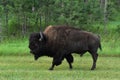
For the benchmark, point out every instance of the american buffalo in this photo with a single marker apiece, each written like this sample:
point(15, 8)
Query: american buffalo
point(60, 42)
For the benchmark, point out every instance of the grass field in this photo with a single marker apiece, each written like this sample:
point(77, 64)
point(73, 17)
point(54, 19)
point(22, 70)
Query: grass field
point(25, 68)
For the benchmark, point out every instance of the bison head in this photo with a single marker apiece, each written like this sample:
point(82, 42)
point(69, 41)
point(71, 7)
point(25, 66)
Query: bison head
point(37, 44)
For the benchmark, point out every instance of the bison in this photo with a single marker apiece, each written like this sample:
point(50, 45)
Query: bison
point(60, 42)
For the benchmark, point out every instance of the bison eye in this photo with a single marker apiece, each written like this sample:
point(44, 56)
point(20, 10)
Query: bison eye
point(33, 45)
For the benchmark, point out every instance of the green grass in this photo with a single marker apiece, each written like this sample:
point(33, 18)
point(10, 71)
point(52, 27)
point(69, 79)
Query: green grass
point(111, 45)
point(14, 47)
point(25, 68)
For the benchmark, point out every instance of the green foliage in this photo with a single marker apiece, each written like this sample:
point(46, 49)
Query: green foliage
point(113, 12)
point(37, 14)
point(118, 28)
point(1, 9)
point(13, 26)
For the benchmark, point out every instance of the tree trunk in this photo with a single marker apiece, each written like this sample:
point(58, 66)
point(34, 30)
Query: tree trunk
point(85, 1)
point(46, 14)
point(103, 7)
point(105, 15)
point(40, 22)
point(0, 28)
point(102, 4)
point(24, 25)
point(6, 18)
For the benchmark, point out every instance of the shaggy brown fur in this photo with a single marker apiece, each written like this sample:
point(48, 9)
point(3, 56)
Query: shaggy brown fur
point(60, 42)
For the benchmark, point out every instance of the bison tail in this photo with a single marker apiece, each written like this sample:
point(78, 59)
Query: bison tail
point(100, 47)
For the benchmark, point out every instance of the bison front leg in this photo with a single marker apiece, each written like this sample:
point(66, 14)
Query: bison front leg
point(69, 59)
point(52, 67)
point(57, 60)
point(53, 63)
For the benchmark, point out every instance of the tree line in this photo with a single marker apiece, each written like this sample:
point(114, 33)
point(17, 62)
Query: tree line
point(19, 17)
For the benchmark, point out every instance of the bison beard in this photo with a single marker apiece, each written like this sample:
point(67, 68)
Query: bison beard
point(60, 42)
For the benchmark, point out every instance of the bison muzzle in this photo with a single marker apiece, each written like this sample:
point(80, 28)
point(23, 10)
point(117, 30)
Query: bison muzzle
point(60, 42)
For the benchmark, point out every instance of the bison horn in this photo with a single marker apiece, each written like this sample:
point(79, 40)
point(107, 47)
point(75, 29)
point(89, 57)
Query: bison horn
point(41, 36)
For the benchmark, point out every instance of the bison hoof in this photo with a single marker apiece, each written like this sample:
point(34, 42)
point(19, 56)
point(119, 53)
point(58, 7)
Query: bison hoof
point(50, 68)
point(92, 68)
point(70, 68)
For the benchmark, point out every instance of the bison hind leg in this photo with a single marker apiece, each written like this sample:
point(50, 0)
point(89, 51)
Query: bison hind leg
point(94, 56)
